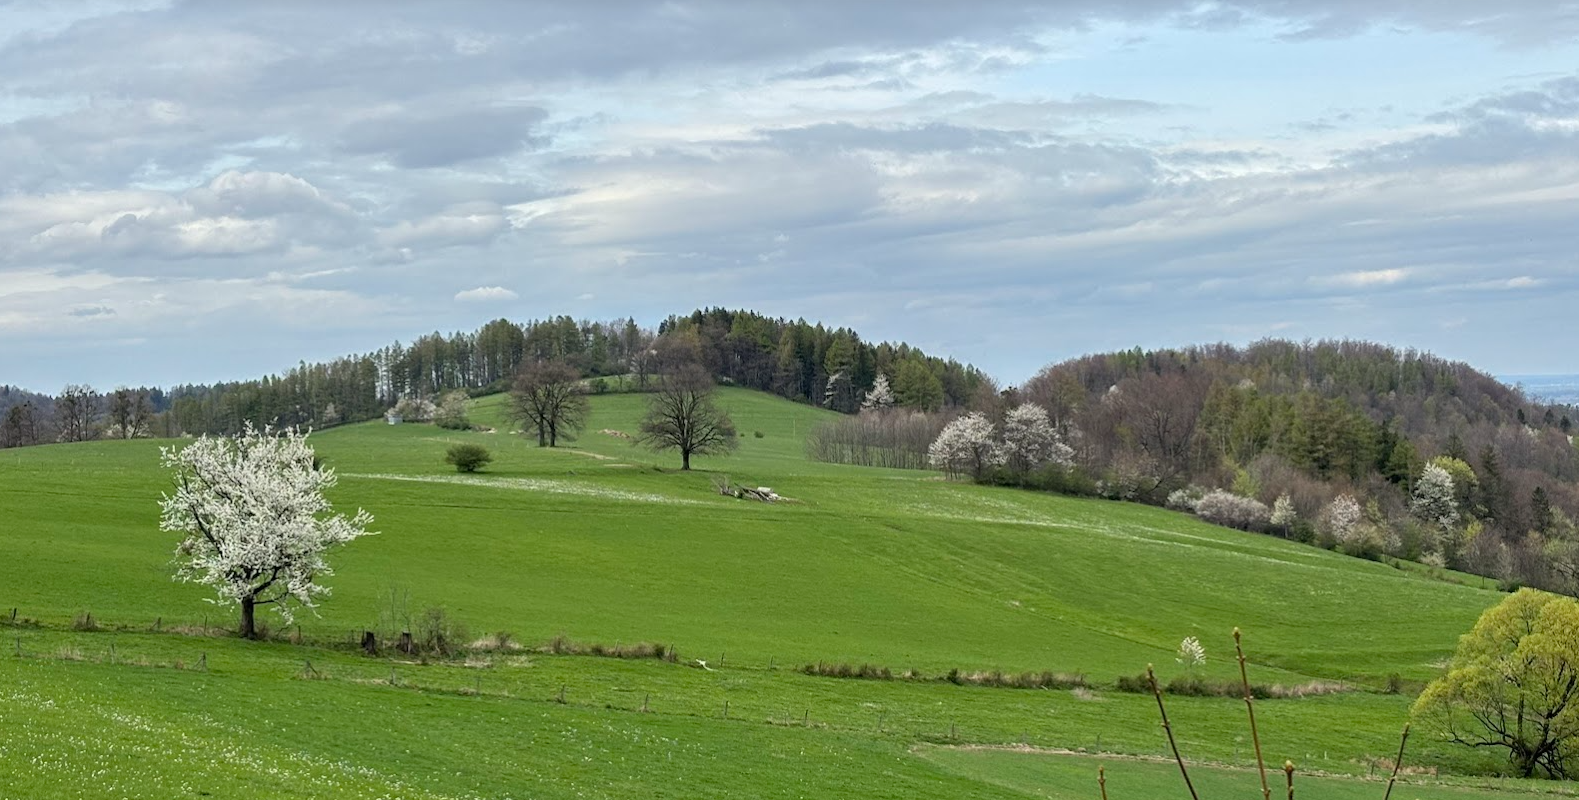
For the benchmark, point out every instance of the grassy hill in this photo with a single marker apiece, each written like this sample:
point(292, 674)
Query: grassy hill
point(603, 542)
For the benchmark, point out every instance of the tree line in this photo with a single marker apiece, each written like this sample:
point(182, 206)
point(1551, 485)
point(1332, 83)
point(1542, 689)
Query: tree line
point(831, 367)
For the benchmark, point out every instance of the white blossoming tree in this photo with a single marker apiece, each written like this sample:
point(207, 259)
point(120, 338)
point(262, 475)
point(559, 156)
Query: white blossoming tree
point(1031, 442)
point(1284, 514)
point(1343, 517)
point(880, 397)
point(1192, 654)
point(255, 520)
point(1435, 497)
point(968, 445)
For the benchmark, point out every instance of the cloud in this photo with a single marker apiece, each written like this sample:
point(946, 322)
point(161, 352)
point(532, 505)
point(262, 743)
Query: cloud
point(485, 294)
point(1366, 278)
point(1047, 167)
point(419, 141)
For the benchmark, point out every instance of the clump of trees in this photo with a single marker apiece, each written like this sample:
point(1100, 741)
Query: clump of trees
point(1513, 685)
point(1442, 463)
point(972, 445)
point(256, 526)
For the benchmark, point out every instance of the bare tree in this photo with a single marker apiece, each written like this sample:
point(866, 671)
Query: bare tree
point(77, 411)
point(548, 399)
point(130, 412)
point(682, 416)
point(20, 428)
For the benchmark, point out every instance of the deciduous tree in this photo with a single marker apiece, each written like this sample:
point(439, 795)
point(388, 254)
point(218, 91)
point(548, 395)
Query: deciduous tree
point(255, 521)
point(682, 416)
point(549, 400)
point(1030, 442)
point(968, 445)
point(1513, 685)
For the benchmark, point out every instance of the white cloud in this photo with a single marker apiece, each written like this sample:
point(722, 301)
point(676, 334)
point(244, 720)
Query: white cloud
point(485, 294)
point(1365, 279)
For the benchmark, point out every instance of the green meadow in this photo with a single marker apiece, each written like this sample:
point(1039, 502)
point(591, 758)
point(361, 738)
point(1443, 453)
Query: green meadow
point(602, 542)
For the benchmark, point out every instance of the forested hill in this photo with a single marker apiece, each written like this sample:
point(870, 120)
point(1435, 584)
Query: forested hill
point(833, 367)
point(1315, 420)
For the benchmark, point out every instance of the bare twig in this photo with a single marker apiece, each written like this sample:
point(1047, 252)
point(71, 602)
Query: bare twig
point(1255, 736)
point(1397, 762)
point(1156, 690)
point(1102, 781)
point(1288, 769)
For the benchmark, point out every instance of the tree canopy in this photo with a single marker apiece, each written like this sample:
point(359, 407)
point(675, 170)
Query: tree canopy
point(255, 520)
point(1513, 685)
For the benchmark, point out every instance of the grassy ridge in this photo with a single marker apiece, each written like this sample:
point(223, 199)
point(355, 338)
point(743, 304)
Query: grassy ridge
point(607, 542)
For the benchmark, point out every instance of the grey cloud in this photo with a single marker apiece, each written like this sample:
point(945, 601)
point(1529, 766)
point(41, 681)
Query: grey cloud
point(447, 139)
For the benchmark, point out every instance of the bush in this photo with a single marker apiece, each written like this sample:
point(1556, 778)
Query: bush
point(440, 634)
point(757, 434)
point(1231, 510)
point(468, 457)
point(1185, 499)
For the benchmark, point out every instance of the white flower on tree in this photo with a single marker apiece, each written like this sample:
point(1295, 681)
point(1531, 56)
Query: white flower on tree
point(1191, 653)
point(256, 522)
point(1031, 442)
point(1435, 498)
point(967, 445)
point(880, 397)
point(1343, 517)
point(1283, 513)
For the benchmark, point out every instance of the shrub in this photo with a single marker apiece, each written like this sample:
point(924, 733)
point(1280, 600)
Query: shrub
point(438, 633)
point(758, 434)
point(1185, 499)
point(1231, 510)
point(468, 457)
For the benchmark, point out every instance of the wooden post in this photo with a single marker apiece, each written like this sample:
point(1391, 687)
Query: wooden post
point(806, 719)
point(644, 699)
point(951, 732)
point(13, 615)
point(18, 647)
point(112, 652)
point(726, 709)
point(369, 643)
point(477, 686)
point(407, 646)
point(158, 623)
point(394, 680)
point(202, 661)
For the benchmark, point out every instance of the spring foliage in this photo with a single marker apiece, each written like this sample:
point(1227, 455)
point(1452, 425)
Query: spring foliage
point(1513, 684)
point(255, 520)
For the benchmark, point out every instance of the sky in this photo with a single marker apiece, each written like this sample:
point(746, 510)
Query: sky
point(200, 192)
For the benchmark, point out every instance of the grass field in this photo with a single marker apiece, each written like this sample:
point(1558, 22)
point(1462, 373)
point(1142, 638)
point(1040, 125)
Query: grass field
point(603, 542)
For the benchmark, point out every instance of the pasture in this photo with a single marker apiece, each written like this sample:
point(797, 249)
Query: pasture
point(602, 542)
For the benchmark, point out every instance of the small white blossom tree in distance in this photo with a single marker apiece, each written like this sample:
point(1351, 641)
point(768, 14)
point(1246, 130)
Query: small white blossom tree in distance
point(881, 396)
point(255, 520)
point(966, 445)
point(1030, 441)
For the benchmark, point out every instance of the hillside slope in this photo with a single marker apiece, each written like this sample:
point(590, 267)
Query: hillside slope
point(604, 542)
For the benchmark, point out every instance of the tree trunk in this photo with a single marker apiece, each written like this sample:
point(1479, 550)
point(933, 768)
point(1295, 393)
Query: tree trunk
point(249, 628)
point(685, 459)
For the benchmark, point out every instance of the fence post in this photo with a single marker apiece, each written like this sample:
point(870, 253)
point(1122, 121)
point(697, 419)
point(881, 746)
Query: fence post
point(202, 661)
point(726, 709)
point(644, 699)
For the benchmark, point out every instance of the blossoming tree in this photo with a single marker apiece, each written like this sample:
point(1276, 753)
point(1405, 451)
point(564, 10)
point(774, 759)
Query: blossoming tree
point(255, 519)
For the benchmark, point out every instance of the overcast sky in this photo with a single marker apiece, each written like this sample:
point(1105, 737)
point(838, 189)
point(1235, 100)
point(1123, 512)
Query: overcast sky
point(192, 193)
